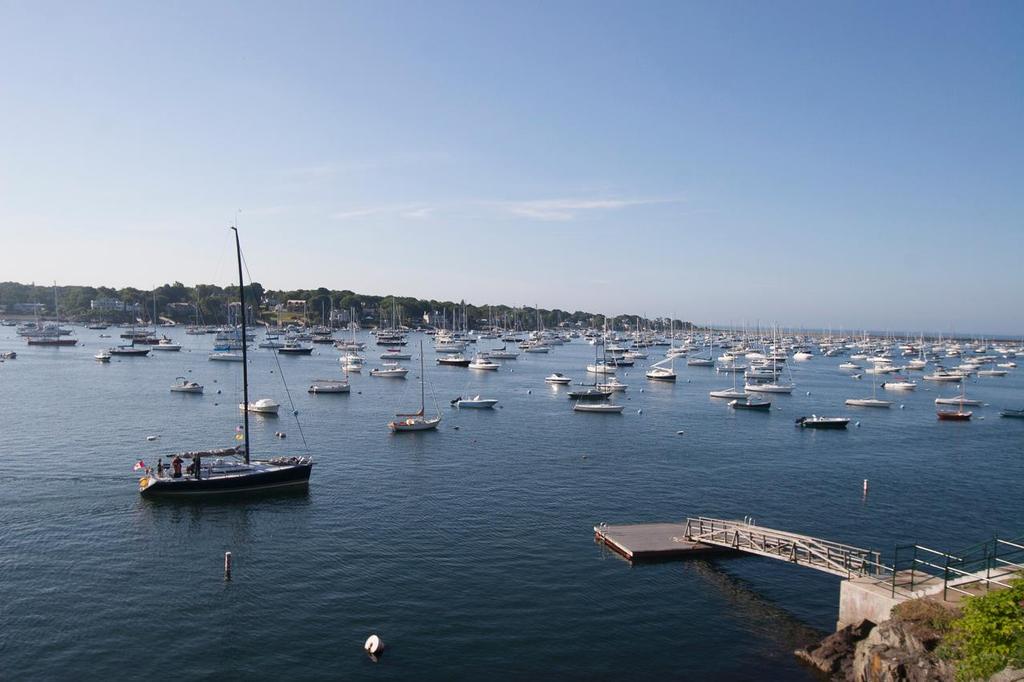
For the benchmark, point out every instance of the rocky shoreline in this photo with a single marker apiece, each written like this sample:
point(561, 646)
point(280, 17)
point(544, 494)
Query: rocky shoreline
point(902, 649)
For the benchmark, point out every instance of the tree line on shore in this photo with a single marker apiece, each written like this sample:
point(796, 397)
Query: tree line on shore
point(211, 304)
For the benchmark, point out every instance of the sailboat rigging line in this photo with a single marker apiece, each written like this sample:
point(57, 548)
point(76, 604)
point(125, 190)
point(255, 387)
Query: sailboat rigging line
point(287, 392)
point(280, 372)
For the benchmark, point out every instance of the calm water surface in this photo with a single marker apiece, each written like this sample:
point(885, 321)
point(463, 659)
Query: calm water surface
point(469, 550)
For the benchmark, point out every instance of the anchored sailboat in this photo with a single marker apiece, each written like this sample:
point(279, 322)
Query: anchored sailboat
point(219, 471)
point(418, 421)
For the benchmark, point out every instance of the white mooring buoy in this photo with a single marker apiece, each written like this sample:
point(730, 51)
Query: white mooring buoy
point(865, 486)
point(374, 645)
point(227, 565)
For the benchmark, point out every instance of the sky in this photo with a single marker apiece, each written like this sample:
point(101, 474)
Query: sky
point(818, 164)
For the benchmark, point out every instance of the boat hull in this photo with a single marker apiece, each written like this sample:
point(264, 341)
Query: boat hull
point(266, 479)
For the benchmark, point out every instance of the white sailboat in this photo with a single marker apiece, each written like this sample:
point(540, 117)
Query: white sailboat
point(417, 421)
point(663, 370)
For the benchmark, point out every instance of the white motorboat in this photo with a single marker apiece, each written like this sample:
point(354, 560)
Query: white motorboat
point(613, 385)
point(226, 357)
point(849, 365)
point(449, 346)
point(559, 379)
point(802, 355)
point(184, 385)
point(992, 372)
point(700, 362)
point(329, 386)
point(502, 354)
point(103, 356)
point(166, 345)
point(917, 363)
point(262, 406)
point(899, 385)
point(601, 368)
point(395, 354)
point(476, 402)
point(389, 372)
point(351, 362)
point(480, 362)
point(597, 407)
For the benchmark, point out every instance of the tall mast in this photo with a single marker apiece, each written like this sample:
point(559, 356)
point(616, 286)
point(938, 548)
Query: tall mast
point(423, 398)
point(245, 356)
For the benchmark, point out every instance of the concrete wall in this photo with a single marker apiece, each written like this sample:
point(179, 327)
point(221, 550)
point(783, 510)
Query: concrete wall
point(862, 598)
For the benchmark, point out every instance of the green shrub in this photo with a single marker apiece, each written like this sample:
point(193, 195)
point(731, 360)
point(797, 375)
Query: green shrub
point(989, 636)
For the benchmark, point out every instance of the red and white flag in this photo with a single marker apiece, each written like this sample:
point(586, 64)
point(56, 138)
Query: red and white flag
point(140, 465)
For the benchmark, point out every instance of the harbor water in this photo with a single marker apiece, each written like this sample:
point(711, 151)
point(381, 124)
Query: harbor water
point(469, 550)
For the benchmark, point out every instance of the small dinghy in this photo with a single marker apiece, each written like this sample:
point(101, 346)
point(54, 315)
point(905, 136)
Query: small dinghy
point(1015, 414)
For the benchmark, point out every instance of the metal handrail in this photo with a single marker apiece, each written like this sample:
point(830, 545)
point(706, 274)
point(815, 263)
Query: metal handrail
point(923, 565)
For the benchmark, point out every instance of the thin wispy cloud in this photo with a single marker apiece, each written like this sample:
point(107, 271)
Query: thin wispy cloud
point(562, 210)
point(413, 211)
point(546, 210)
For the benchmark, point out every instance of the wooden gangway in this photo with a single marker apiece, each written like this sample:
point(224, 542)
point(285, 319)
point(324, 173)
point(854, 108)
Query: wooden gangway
point(846, 561)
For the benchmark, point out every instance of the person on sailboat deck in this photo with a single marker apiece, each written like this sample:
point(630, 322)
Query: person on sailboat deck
point(176, 465)
point(160, 468)
point(196, 465)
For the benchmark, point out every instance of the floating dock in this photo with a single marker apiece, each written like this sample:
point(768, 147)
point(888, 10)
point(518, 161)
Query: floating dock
point(653, 541)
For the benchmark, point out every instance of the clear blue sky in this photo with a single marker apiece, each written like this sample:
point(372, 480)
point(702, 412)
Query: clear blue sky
point(856, 165)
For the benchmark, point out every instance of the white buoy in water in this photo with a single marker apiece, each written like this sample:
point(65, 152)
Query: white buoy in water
point(151, 437)
point(227, 565)
point(865, 486)
point(808, 392)
point(374, 645)
point(639, 411)
point(857, 424)
point(529, 392)
point(679, 433)
point(901, 407)
point(641, 390)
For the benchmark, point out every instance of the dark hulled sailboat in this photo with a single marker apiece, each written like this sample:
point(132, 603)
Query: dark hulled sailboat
point(229, 470)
